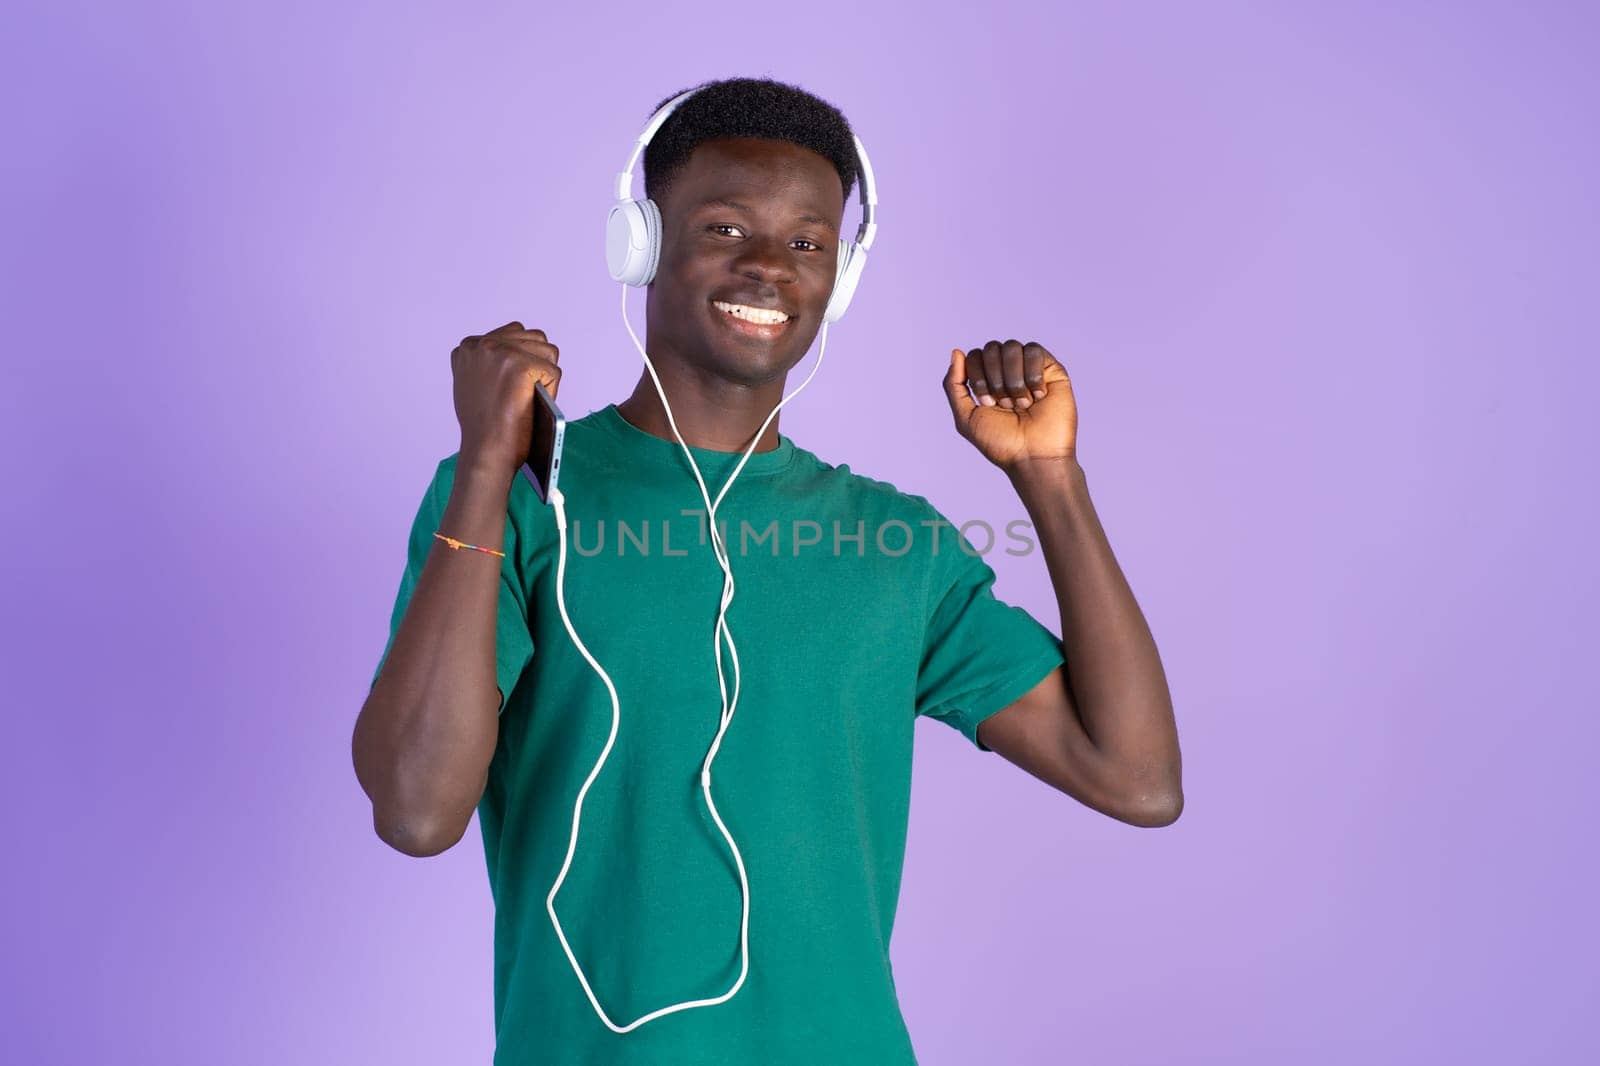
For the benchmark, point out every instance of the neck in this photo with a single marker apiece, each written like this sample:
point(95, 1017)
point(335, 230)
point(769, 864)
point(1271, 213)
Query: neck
point(711, 412)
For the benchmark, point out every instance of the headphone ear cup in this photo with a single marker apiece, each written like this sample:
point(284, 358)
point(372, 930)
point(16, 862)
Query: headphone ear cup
point(633, 241)
point(852, 261)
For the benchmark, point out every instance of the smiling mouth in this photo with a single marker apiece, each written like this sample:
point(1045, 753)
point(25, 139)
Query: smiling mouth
point(751, 321)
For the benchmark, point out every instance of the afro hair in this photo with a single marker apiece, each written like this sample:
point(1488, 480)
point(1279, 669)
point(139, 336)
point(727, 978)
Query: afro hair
point(747, 107)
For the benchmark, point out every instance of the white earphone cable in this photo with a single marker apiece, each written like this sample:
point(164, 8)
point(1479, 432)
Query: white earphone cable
point(722, 630)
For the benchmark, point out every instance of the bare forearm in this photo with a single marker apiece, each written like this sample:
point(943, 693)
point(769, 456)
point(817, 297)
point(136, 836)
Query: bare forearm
point(1117, 681)
point(427, 732)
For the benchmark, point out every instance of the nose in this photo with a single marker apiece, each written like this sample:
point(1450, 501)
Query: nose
point(766, 260)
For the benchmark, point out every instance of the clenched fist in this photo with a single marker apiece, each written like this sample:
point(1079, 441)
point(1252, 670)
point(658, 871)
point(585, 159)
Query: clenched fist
point(494, 379)
point(1024, 408)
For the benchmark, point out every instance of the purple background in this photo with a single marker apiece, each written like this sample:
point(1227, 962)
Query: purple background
point(1323, 275)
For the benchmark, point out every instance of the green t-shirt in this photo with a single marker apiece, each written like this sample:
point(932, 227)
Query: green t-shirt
point(857, 607)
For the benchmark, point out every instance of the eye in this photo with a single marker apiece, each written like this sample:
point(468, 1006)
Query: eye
point(717, 226)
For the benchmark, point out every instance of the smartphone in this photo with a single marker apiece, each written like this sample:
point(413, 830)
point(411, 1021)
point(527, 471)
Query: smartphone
point(544, 451)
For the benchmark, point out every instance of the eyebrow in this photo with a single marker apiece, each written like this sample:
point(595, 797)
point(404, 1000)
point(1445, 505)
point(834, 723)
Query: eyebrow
point(722, 201)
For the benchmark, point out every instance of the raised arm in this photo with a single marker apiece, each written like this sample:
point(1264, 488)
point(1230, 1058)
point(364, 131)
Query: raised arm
point(1109, 737)
point(428, 729)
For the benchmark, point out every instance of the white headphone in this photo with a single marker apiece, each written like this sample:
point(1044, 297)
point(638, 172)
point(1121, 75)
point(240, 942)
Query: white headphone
point(633, 227)
point(633, 248)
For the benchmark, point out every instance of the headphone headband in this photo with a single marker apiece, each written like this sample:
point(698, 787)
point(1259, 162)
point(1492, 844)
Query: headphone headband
point(866, 187)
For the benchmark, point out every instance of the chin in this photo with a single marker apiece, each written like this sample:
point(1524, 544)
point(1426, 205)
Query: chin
point(748, 372)
point(756, 364)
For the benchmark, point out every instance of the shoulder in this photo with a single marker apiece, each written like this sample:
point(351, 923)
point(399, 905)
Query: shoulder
point(861, 491)
point(906, 525)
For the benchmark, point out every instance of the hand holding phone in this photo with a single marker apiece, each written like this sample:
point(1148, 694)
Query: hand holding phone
point(497, 380)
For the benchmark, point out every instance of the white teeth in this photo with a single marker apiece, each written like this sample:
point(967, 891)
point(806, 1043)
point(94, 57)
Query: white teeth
point(751, 314)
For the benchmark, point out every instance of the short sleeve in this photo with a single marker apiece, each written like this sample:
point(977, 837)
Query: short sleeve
point(980, 654)
point(513, 643)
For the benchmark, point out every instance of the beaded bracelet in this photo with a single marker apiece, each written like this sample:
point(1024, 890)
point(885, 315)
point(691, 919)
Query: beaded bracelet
point(459, 544)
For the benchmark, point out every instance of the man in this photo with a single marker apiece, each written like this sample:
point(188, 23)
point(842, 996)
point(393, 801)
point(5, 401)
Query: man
point(858, 608)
